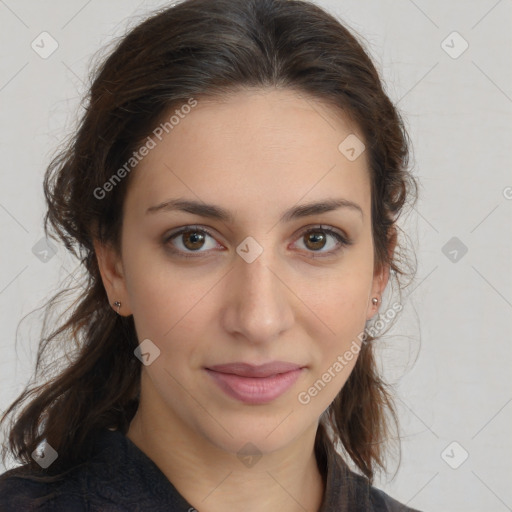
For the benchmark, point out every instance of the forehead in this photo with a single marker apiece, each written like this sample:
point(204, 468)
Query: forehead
point(253, 147)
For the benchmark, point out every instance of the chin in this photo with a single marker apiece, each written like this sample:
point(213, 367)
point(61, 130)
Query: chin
point(262, 436)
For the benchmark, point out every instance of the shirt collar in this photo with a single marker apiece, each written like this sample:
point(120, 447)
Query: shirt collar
point(133, 478)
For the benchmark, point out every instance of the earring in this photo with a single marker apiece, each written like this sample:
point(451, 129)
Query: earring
point(375, 301)
point(117, 304)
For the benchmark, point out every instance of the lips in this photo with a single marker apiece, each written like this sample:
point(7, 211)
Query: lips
point(248, 370)
point(255, 384)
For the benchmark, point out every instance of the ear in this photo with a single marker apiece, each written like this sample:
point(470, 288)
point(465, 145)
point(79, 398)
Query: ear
point(381, 278)
point(112, 275)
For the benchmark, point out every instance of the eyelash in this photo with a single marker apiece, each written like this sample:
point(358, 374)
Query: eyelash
point(342, 240)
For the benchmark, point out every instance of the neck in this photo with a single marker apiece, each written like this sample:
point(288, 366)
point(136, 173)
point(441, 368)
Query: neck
point(213, 480)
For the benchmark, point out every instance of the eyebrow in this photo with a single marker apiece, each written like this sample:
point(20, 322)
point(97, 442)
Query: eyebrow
point(218, 213)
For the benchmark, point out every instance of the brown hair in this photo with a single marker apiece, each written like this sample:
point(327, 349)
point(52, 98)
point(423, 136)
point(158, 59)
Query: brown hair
point(195, 49)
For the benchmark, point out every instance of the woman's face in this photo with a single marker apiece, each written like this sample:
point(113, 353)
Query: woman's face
point(260, 285)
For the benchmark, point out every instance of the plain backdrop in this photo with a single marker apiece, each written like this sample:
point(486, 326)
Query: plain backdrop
point(447, 66)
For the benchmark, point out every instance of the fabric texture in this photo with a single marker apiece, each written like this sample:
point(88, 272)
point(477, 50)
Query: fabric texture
point(119, 477)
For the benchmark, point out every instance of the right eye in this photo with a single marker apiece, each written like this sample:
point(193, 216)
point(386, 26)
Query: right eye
point(190, 238)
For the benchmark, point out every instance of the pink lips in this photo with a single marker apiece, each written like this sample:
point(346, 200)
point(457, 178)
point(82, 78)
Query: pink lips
point(255, 384)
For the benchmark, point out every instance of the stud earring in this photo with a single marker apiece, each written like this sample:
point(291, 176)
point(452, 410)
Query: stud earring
point(117, 304)
point(375, 301)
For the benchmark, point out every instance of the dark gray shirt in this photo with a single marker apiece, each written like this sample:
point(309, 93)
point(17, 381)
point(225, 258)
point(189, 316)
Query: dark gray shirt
point(119, 477)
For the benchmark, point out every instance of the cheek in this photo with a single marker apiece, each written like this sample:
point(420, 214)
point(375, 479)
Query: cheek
point(167, 302)
point(340, 305)
point(344, 314)
point(339, 300)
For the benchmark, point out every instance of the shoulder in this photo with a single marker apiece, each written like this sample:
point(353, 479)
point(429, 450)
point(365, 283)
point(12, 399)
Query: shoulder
point(382, 502)
point(22, 489)
point(376, 499)
point(349, 491)
point(60, 488)
point(115, 476)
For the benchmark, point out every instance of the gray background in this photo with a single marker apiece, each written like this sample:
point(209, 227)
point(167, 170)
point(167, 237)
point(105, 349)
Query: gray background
point(450, 354)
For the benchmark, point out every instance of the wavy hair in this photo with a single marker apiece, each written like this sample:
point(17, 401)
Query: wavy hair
point(195, 49)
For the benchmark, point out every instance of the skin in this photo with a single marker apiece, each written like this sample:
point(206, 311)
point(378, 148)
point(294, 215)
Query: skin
point(255, 153)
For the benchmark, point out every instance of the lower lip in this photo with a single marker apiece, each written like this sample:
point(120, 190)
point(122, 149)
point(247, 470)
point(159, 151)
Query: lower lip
point(255, 390)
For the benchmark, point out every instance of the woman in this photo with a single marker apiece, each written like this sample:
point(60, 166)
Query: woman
point(232, 192)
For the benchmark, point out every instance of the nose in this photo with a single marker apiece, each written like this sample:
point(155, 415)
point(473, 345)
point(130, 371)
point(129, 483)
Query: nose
point(259, 304)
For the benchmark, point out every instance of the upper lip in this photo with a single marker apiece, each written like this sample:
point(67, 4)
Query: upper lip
point(249, 370)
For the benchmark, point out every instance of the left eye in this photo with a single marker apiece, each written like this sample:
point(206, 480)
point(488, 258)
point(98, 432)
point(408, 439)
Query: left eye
point(192, 239)
point(317, 237)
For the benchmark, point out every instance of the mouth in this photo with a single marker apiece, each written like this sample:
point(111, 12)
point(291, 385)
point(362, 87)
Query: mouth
point(252, 384)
